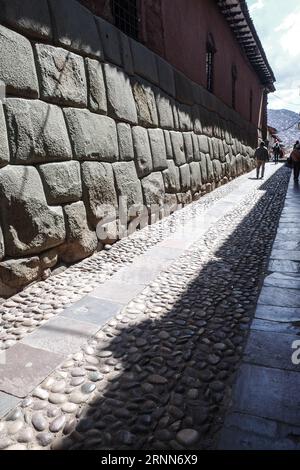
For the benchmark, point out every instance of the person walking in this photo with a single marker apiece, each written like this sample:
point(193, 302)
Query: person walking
point(262, 156)
point(276, 152)
point(295, 156)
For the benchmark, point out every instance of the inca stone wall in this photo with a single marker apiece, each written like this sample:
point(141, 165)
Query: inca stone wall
point(91, 115)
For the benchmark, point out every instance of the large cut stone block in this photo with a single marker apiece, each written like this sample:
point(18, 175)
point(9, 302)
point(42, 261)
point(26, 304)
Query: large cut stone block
point(62, 76)
point(144, 62)
point(210, 168)
point(145, 103)
point(125, 141)
point(127, 183)
point(81, 241)
point(62, 182)
point(203, 166)
point(110, 40)
point(195, 172)
point(166, 76)
point(217, 166)
point(4, 149)
point(17, 68)
point(188, 145)
point(184, 89)
point(153, 189)
point(197, 153)
point(75, 28)
point(165, 110)
point(121, 103)
point(185, 177)
point(96, 87)
point(158, 148)
point(16, 274)
point(142, 151)
point(37, 132)
point(30, 226)
point(172, 178)
point(203, 144)
point(93, 137)
point(30, 17)
point(98, 190)
point(178, 148)
point(168, 143)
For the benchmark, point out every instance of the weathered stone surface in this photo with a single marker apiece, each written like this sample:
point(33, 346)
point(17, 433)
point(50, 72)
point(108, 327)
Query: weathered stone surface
point(184, 89)
point(121, 103)
point(97, 93)
point(81, 240)
point(17, 68)
point(145, 103)
point(164, 110)
point(62, 76)
point(203, 166)
point(127, 183)
point(168, 143)
point(49, 258)
point(178, 148)
point(195, 172)
point(2, 248)
point(153, 189)
point(144, 62)
point(30, 17)
point(93, 137)
point(217, 169)
point(75, 28)
point(142, 151)
point(172, 178)
point(29, 224)
point(37, 132)
point(210, 169)
point(98, 190)
point(188, 145)
point(15, 274)
point(185, 177)
point(4, 149)
point(125, 141)
point(109, 35)
point(166, 76)
point(196, 149)
point(197, 119)
point(158, 149)
point(175, 115)
point(62, 182)
point(126, 53)
point(203, 144)
point(185, 118)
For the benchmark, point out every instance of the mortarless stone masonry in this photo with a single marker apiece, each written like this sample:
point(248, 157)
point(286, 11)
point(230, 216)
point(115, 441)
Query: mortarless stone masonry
point(93, 116)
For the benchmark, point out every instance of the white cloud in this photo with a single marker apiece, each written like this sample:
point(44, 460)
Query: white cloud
point(289, 34)
point(257, 6)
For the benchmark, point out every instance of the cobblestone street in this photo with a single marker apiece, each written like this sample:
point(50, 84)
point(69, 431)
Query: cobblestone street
point(138, 347)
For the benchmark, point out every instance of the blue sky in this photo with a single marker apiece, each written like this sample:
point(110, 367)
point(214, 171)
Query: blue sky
point(278, 25)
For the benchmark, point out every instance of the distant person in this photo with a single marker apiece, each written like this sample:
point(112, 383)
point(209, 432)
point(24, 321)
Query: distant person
point(276, 152)
point(262, 156)
point(295, 155)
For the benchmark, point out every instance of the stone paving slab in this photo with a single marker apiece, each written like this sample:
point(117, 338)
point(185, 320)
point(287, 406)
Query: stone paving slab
point(7, 403)
point(25, 367)
point(291, 255)
point(278, 314)
point(117, 291)
point(279, 297)
point(93, 310)
point(290, 281)
point(284, 266)
point(286, 245)
point(264, 348)
point(275, 327)
point(61, 336)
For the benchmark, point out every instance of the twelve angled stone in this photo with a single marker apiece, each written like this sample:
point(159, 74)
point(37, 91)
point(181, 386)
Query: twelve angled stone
point(37, 132)
point(121, 104)
point(62, 182)
point(17, 68)
point(29, 224)
point(93, 137)
point(62, 76)
point(75, 28)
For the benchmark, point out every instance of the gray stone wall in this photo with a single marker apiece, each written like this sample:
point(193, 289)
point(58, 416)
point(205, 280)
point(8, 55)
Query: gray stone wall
point(92, 116)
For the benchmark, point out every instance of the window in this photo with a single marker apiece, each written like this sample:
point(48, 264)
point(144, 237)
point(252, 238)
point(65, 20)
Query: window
point(251, 106)
point(233, 85)
point(126, 16)
point(210, 53)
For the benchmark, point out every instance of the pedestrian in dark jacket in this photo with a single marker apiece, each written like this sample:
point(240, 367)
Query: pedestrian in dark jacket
point(262, 156)
point(276, 152)
point(295, 155)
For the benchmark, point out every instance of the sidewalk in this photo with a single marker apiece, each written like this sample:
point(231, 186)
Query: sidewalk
point(265, 411)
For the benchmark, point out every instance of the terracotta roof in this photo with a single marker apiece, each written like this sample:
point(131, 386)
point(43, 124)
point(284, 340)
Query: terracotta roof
point(238, 17)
